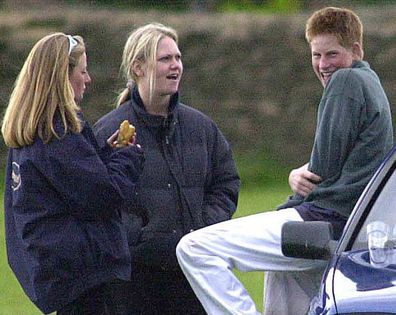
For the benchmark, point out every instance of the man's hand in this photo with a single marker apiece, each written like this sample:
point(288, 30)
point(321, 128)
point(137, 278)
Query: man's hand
point(302, 181)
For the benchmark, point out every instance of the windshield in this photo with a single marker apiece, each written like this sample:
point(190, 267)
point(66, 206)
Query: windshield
point(382, 216)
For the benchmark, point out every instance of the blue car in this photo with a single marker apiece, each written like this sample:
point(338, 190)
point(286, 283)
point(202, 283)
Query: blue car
point(360, 277)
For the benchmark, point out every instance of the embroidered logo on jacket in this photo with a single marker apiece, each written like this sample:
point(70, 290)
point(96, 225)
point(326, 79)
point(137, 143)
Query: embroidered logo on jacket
point(16, 176)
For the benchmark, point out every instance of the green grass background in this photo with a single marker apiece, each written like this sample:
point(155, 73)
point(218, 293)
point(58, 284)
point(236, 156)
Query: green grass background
point(252, 200)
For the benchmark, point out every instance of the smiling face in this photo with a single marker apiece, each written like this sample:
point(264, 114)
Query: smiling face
point(79, 78)
point(328, 56)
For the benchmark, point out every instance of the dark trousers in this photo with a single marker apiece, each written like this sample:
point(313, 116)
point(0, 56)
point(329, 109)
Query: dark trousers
point(92, 302)
point(152, 292)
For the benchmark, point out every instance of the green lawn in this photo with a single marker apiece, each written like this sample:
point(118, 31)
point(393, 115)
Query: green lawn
point(13, 300)
point(254, 201)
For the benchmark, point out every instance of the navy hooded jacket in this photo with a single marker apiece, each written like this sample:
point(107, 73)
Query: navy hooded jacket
point(62, 205)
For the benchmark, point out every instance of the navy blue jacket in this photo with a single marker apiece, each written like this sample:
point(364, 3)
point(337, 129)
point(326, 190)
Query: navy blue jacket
point(189, 178)
point(62, 216)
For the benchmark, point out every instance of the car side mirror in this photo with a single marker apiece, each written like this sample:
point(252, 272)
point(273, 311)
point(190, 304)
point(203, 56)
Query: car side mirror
point(308, 239)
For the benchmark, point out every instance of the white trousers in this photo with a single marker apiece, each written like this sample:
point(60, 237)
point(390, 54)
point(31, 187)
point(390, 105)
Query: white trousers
point(252, 243)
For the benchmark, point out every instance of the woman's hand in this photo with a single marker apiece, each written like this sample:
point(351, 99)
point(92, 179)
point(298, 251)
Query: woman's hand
point(302, 181)
point(112, 141)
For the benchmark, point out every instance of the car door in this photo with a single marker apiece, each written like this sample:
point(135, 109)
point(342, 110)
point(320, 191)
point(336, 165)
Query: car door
point(361, 285)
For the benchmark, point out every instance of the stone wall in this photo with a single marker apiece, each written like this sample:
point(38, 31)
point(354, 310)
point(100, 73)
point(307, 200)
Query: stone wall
point(251, 73)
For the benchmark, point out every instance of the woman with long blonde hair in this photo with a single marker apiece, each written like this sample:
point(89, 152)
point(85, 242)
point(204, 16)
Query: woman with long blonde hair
point(63, 195)
point(189, 177)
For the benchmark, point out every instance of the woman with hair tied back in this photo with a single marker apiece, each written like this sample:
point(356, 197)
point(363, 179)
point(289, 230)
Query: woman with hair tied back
point(63, 195)
point(189, 177)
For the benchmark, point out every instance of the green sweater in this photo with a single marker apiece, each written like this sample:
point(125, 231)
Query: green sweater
point(353, 134)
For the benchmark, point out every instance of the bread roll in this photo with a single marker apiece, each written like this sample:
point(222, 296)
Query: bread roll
point(125, 134)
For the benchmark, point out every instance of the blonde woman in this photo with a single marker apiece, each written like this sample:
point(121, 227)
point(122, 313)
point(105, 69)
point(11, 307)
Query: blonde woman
point(189, 178)
point(63, 195)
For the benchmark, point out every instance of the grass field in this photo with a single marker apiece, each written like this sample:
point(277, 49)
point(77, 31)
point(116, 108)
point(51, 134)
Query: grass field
point(253, 200)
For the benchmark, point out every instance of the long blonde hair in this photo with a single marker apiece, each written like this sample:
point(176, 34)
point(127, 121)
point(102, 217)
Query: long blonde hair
point(41, 89)
point(141, 46)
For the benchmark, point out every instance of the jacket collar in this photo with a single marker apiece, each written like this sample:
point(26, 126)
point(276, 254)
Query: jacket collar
point(156, 120)
point(360, 64)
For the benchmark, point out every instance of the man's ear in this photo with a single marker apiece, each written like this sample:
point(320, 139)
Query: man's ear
point(357, 51)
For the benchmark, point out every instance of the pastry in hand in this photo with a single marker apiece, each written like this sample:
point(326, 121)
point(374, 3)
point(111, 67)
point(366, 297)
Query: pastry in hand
point(125, 134)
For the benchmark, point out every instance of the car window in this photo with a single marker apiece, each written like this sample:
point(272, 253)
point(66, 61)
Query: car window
point(383, 212)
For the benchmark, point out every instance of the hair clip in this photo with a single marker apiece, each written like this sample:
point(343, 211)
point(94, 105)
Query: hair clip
point(72, 43)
